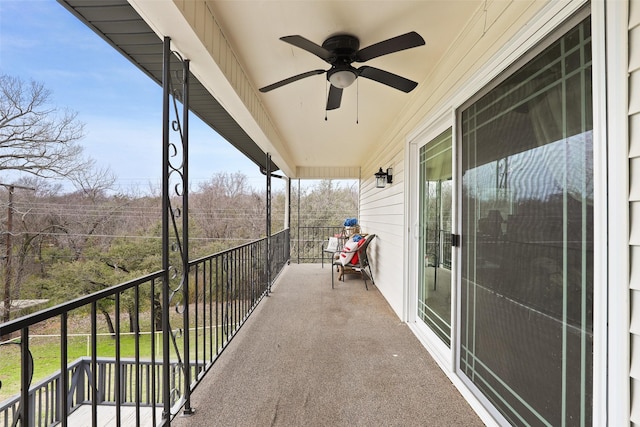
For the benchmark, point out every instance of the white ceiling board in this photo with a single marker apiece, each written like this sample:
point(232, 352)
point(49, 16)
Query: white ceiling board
point(298, 110)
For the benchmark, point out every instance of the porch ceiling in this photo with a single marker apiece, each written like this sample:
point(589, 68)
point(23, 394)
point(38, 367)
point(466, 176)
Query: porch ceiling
point(301, 137)
point(368, 108)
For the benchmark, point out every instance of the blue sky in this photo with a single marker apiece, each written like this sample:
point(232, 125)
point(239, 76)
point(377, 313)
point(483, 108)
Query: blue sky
point(120, 106)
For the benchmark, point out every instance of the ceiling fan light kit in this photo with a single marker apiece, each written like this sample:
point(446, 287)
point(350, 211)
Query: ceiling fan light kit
point(341, 78)
point(340, 52)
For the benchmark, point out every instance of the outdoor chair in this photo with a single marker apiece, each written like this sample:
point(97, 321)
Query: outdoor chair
point(356, 266)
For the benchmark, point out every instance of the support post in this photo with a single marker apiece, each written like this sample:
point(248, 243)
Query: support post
point(166, 385)
point(7, 268)
point(288, 220)
point(268, 245)
point(188, 410)
point(172, 386)
point(298, 230)
point(287, 205)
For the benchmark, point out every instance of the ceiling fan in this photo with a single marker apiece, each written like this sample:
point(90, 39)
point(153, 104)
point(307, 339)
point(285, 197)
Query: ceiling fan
point(341, 51)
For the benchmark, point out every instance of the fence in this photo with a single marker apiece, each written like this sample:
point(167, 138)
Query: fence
point(310, 241)
point(222, 291)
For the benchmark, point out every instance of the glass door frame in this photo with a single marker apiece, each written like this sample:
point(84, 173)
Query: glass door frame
point(559, 22)
point(611, 309)
point(443, 354)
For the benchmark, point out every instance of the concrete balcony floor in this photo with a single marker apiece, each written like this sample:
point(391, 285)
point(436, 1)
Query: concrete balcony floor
point(315, 356)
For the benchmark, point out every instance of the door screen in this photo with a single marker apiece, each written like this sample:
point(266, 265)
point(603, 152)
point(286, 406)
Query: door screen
point(527, 244)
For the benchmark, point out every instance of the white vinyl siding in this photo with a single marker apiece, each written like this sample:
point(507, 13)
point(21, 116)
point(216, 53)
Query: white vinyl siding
point(634, 204)
point(382, 213)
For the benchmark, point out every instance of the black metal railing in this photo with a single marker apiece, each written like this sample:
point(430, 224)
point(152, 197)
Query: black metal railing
point(439, 249)
point(445, 238)
point(145, 290)
point(310, 242)
point(281, 251)
point(224, 289)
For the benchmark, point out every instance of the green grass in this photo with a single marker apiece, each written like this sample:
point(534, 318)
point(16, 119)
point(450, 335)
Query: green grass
point(46, 355)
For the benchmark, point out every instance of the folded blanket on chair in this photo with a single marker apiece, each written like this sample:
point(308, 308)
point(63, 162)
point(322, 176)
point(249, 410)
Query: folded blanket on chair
point(349, 253)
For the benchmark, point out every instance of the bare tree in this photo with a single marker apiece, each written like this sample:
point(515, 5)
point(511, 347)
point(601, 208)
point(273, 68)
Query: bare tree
point(226, 208)
point(66, 224)
point(93, 182)
point(34, 136)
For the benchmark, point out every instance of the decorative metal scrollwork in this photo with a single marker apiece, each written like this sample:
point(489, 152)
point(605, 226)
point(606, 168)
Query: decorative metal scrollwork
point(176, 176)
point(175, 166)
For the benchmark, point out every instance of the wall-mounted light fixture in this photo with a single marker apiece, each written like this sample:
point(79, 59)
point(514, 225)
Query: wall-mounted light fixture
point(384, 178)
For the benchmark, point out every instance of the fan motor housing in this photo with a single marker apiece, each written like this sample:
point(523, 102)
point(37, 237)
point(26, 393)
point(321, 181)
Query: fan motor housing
point(343, 45)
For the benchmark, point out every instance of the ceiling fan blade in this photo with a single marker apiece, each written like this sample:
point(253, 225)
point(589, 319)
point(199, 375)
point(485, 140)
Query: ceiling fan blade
point(395, 44)
point(291, 80)
point(335, 97)
point(310, 47)
point(387, 78)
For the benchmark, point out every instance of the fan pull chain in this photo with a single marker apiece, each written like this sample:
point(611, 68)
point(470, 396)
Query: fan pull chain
point(357, 100)
point(326, 96)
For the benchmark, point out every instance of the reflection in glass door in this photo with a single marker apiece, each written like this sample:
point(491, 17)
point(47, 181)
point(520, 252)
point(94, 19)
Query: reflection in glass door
point(434, 279)
point(527, 255)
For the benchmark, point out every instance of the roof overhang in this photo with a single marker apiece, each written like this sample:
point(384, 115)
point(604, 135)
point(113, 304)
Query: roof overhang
point(120, 25)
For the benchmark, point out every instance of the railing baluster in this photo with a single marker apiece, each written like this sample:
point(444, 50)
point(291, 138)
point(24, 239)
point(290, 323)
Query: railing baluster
point(50, 403)
point(234, 292)
point(79, 383)
point(152, 371)
point(228, 304)
point(24, 378)
point(147, 373)
point(94, 365)
point(218, 298)
point(117, 374)
point(52, 398)
point(136, 340)
point(208, 283)
point(232, 318)
point(195, 322)
point(247, 284)
point(63, 401)
point(41, 393)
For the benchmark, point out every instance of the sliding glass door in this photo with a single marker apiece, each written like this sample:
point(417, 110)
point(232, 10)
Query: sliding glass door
point(434, 276)
point(526, 319)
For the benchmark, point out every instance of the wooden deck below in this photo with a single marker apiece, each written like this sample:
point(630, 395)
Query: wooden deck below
point(81, 417)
